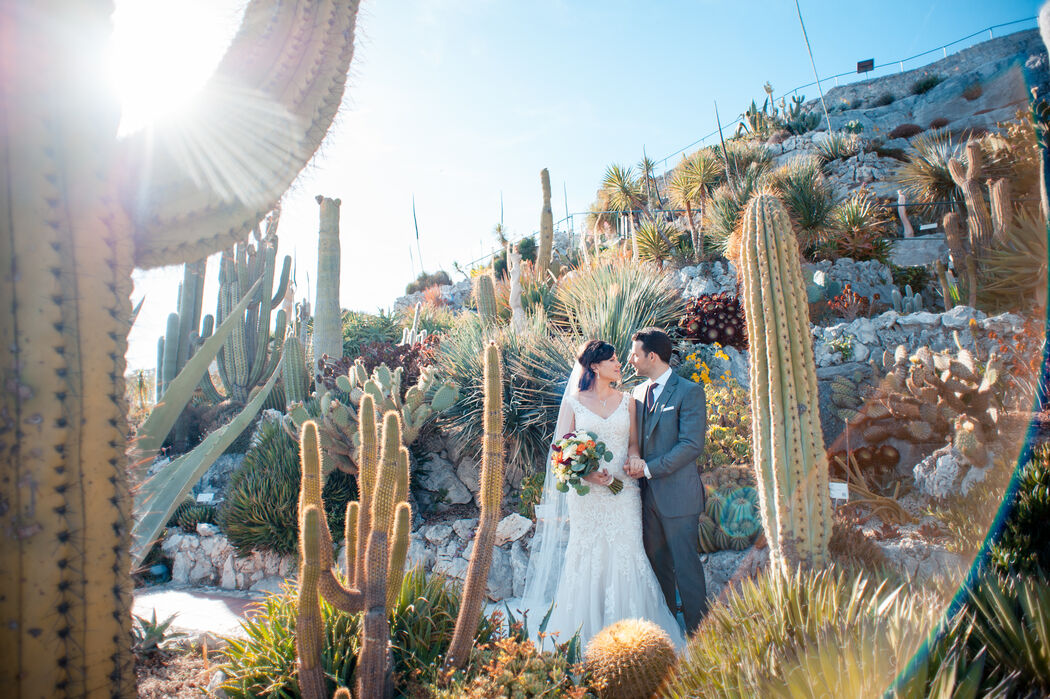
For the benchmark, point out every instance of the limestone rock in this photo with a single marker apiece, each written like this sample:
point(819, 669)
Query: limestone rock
point(464, 528)
point(441, 479)
point(511, 528)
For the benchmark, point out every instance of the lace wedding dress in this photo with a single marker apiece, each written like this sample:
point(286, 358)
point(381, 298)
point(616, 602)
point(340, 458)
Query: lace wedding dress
point(606, 575)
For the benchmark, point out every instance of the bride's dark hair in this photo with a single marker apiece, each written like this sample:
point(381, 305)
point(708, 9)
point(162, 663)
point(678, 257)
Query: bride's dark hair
point(592, 352)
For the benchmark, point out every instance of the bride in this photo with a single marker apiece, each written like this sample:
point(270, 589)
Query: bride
point(587, 556)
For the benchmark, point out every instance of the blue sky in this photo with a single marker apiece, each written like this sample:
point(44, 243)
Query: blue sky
point(458, 101)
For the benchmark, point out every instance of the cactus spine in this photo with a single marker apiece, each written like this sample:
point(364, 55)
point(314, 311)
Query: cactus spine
point(328, 331)
point(543, 255)
point(82, 209)
point(377, 543)
point(629, 659)
point(491, 493)
point(791, 467)
point(485, 298)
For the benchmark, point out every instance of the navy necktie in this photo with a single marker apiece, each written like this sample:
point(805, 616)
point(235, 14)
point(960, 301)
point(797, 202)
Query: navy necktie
point(650, 396)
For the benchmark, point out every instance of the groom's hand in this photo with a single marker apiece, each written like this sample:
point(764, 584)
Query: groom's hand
point(635, 468)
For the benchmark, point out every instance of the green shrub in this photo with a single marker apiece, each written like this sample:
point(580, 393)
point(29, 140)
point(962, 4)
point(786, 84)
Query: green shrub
point(359, 328)
point(771, 634)
point(924, 85)
point(972, 91)
point(939, 123)
point(260, 511)
point(1024, 544)
point(425, 281)
point(884, 99)
point(421, 625)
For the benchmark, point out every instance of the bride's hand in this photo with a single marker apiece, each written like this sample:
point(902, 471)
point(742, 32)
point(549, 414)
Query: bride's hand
point(601, 477)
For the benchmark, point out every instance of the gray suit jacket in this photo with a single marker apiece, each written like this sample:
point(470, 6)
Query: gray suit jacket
point(671, 438)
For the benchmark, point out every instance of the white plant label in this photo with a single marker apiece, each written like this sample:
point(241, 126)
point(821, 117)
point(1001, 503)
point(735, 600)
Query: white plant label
point(205, 497)
point(838, 491)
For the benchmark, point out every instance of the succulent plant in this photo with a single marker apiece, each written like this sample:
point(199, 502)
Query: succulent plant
point(489, 497)
point(791, 467)
point(629, 659)
point(926, 396)
point(84, 209)
point(715, 318)
point(189, 515)
point(543, 257)
point(909, 302)
point(740, 518)
point(328, 331)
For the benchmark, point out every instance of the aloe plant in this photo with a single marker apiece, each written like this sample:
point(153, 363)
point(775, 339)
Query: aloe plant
point(82, 209)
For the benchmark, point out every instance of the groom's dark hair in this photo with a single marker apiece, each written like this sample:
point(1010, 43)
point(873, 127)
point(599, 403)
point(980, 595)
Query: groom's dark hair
point(654, 340)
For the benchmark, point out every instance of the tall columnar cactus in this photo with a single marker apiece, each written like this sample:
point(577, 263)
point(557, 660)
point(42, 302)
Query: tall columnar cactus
point(184, 332)
point(485, 298)
point(328, 329)
point(81, 209)
point(791, 468)
point(378, 546)
point(968, 178)
point(517, 311)
point(543, 255)
point(491, 493)
point(294, 371)
point(249, 357)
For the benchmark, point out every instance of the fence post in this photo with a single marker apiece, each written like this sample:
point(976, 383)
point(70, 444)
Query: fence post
point(945, 50)
point(902, 66)
point(991, 34)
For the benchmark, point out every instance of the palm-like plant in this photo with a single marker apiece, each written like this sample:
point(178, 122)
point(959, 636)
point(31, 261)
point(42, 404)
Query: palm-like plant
point(623, 194)
point(860, 226)
point(653, 236)
point(925, 177)
point(727, 202)
point(809, 199)
point(647, 167)
point(693, 181)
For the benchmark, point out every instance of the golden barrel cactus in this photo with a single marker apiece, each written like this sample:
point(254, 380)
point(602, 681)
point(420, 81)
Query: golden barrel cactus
point(629, 659)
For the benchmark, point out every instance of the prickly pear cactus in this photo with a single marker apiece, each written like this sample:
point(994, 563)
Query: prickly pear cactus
point(81, 209)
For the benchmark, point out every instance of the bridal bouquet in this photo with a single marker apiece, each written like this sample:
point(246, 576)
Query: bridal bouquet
point(576, 455)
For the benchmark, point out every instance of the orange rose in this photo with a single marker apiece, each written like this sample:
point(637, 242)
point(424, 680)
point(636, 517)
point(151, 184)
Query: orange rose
point(590, 442)
point(580, 448)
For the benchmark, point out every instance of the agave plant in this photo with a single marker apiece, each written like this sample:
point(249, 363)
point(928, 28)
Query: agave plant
point(692, 181)
point(837, 145)
point(612, 301)
point(768, 638)
point(860, 229)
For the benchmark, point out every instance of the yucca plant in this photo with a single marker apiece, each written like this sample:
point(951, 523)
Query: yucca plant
point(808, 198)
point(692, 182)
point(1015, 268)
point(658, 241)
point(758, 637)
point(726, 205)
point(647, 168)
point(925, 178)
point(742, 155)
point(860, 229)
point(537, 362)
point(837, 145)
point(623, 194)
point(612, 300)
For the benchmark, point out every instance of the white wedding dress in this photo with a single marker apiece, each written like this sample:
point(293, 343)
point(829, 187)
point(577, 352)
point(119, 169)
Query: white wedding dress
point(606, 574)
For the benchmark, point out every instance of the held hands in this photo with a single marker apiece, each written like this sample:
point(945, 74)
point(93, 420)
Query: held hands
point(601, 477)
point(635, 467)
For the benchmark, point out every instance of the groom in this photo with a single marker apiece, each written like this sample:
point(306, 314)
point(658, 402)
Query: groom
point(671, 426)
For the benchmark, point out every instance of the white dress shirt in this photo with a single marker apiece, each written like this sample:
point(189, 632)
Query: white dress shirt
point(660, 382)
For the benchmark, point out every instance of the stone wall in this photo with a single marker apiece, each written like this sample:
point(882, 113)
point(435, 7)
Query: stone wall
point(207, 558)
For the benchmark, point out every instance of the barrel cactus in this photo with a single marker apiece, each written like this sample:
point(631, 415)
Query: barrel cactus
point(82, 209)
point(629, 659)
point(741, 519)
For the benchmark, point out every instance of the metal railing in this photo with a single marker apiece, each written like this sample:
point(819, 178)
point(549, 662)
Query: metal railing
point(866, 76)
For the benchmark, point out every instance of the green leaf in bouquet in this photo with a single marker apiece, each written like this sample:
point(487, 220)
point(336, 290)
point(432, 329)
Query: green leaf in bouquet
point(578, 466)
point(583, 489)
point(562, 487)
point(607, 456)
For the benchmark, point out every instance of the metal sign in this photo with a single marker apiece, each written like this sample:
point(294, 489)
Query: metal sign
point(866, 66)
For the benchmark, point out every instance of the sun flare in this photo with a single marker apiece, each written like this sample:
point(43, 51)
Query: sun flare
point(163, 53)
